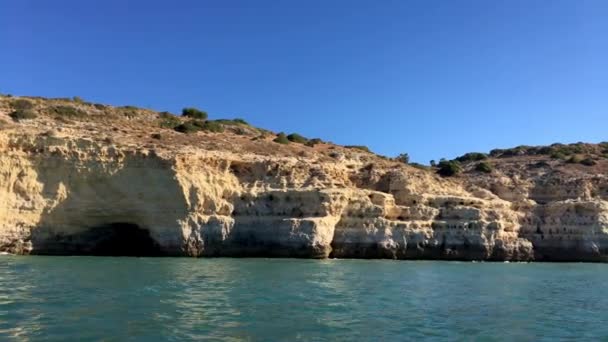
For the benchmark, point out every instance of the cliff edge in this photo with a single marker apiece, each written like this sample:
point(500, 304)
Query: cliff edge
point(83, 178)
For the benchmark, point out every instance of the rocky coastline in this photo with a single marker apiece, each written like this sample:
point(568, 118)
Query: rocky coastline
point(108, 183)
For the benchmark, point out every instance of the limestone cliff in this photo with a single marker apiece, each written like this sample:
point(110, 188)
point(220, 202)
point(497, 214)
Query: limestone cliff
point(97, 179)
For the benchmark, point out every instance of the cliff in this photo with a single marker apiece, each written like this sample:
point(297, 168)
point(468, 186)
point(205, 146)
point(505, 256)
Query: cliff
point(82, 178)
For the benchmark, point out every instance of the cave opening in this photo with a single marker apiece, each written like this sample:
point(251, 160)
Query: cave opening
point(121, 239)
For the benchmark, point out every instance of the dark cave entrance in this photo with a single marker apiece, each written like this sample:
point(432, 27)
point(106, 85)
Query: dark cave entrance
point(121, 239)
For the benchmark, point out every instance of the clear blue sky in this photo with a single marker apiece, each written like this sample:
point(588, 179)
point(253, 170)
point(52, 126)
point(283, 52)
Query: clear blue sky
point(431, 78)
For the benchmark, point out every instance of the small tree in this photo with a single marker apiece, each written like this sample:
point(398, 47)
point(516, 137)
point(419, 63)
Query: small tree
point(433, 163)
point(194, 113)
point(404, 158)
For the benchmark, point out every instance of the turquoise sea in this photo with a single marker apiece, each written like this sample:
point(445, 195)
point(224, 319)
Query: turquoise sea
point(174, 299)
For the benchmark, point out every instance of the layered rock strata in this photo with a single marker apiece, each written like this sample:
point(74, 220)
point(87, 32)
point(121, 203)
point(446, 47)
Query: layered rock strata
point(63, 193)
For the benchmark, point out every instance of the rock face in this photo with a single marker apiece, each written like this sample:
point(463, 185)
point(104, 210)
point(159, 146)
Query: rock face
point(84, 187)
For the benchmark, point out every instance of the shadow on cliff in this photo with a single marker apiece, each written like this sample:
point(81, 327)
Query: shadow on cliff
point(130, 207)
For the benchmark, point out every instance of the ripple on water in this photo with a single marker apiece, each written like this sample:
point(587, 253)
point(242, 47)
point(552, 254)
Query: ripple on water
point(278, 299)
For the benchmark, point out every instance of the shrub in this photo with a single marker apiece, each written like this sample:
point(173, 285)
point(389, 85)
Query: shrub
point(404, 158)
point(419, 166)
point(539, 164)
point(483, 167)
point(295, 137)
point(554, 150)
point(557, 155)
point(232, 122)
point(77, 99)
point(433, 163)
point(239, 131)
point(241, 121)
point(129, 111)
point(281, 139)
point(581, 159)
point(22, 104)
point(588, 162)
point(194, 113)
point(575, 159)
point(168, 120)
point(313, 142)
point(359, 147)
point(472, 156)
point(67, 111)
point(448, 168)
point(99, 106)
point(188, 127)
point(156, 136)
point(23, 114)
point(210, 126)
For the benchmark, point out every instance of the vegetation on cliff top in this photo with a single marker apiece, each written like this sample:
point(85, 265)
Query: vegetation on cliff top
point(192, 120)
point(281, 139)
point(194, 113)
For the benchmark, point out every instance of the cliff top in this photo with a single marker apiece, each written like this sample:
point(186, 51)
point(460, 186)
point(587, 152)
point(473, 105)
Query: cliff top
point(163, 132)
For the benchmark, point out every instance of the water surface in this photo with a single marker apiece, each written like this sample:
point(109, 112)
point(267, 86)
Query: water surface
point(148, 299)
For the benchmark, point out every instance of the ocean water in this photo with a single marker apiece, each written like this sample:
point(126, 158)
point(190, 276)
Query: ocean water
point(173, 299)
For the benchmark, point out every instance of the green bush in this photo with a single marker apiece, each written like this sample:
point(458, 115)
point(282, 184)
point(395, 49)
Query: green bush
point(558, 151)
point(22, 104)
point(483, 167)
point(211, 126)
point(588, 162)
point(78, 99)
point(419, 166)
point(295, 137)
point(241, 121)
point(581, 159)
point(23, 114)
point(99, 106)
point(188, 127)
point(313, 142)
point(194, 113)
point(359, 147)
point(232, 122)
point(404, 158)
point(433, 163)
point(448, 168)
point(281, 139)
point(575, 159)
point(67, 111)
point(168, 120)
point(472, 156)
